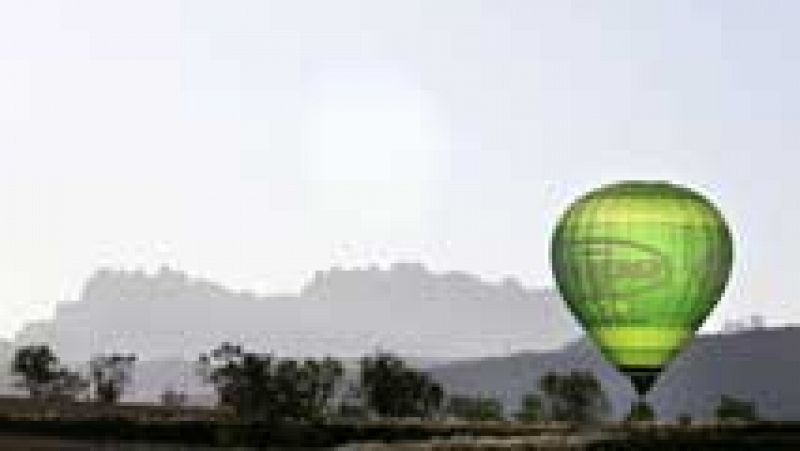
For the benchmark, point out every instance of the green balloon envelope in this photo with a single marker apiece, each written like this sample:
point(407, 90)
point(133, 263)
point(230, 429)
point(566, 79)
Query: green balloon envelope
point(641, 265)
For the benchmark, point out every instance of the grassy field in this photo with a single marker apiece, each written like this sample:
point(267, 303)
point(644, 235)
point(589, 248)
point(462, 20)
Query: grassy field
point(28, 425)
point(53, 433)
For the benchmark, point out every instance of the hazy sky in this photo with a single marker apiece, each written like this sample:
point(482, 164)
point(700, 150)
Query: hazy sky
point(252, 142)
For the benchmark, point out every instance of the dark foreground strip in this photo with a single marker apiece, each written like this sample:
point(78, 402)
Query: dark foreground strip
point(211, 433)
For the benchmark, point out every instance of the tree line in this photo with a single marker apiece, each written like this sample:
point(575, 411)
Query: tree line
point(263, 387)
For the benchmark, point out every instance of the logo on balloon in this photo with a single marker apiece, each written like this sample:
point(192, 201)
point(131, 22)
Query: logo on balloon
point(617, 267)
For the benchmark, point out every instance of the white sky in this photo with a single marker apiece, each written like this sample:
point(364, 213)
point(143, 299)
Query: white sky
point(252, 142)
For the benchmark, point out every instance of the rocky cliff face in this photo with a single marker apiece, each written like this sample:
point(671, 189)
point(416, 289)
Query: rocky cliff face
point(406, 309)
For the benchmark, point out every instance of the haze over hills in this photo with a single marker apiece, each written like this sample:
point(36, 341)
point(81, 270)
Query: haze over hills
point(405, 308)
point(474, 336)
point(762, 365)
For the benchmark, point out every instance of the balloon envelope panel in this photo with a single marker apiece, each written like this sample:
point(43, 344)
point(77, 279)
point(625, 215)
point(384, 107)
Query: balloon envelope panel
point(641, 265)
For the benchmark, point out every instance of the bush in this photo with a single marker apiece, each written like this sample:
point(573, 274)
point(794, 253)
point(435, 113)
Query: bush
point(531, 408)
point(730, 408)
point(262, 387)
point(641, 411)
point(475, 408)
point(393, 390)
point(576, 396)
point(43, 377)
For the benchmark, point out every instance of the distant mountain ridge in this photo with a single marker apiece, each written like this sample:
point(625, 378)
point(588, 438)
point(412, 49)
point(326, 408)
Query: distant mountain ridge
point(405, 308)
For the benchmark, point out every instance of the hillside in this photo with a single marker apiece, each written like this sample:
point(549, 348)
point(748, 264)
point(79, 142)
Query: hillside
point(762, 365)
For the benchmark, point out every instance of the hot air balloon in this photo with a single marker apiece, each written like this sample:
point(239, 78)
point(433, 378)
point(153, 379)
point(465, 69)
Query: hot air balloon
point(641, 265)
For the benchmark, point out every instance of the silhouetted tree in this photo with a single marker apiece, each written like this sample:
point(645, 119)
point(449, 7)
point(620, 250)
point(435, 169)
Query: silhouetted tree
point(36, 365)
point(476, 408)
point(43, 377)
point(262, 387)
point(577, 396)
point(531, 408)
point(392, 389)
point(110, 374)
point(730, 408)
